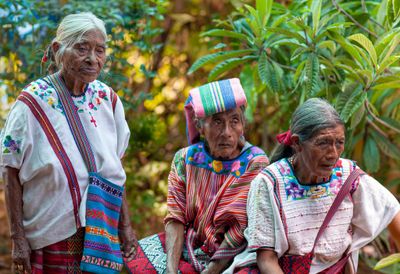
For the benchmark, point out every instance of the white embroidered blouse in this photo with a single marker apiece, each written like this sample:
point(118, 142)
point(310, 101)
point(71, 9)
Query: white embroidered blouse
point(359, 219)
point(47, 204)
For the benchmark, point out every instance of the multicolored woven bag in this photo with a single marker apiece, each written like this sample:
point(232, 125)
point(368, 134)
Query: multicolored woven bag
point(101, 252)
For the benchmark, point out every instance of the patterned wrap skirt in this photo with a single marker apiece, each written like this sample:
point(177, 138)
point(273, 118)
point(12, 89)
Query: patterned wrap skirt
point(63, 257)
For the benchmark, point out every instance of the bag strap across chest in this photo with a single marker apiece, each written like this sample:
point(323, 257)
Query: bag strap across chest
point(74, 121)
point(344, 191)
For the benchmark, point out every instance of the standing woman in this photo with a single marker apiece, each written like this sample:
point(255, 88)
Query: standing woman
point(61, 128)
point(304, 215)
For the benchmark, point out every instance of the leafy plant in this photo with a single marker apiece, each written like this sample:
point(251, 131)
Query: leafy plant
point(318, 48)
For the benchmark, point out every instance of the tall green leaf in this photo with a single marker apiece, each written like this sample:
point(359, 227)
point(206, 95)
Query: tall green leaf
point(288, 33)
point(225, 33)
point(366, 44)
point(387, 85)
point(312, 73)
point(347, 47)
point(316, 14)
point(371, 155)
point(387, 62)
point(386, 146)
point(357, 117)
point(350, 100)
point(217, 57)
point(264, 10)
point(228, 65)
point(267, 73)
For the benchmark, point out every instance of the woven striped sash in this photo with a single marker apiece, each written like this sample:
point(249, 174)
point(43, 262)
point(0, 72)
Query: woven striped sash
point(101, 253)
point(58, 149)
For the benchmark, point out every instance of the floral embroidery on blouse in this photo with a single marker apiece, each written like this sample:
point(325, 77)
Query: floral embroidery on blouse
point(89, 102)
point(45, 92)
point(295, 191)
point(197, 156)
point(11, 145)
point(92, 99)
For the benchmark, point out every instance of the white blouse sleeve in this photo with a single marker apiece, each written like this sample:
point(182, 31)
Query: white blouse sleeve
point(374, 209)
point(265, 229)
point(16, 137)
point(123, 132)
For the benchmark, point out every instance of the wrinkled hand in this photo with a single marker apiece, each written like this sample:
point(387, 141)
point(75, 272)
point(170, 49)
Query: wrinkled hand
point(21, 256)
point(129, 242)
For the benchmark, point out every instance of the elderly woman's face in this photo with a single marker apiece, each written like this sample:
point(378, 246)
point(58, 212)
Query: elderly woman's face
point(85, 59)
point(319, 155)
point(222, 132)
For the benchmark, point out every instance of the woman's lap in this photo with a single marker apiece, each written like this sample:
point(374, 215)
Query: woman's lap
point(151, 257)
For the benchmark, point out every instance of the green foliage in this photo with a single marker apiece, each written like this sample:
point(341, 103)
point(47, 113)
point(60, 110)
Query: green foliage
point(346, 52)
point(391, 261)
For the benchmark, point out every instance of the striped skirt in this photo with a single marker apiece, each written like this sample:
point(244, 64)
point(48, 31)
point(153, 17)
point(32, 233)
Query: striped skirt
point(63, 257)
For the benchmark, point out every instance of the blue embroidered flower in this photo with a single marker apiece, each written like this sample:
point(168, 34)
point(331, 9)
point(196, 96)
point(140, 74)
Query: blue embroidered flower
point(293, 190)
point(199, 157)
point(11, 145)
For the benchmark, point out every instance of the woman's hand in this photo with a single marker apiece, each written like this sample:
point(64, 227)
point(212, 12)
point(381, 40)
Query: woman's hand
point(129, 242)
point(126, 234)
point(20, 255)
point(267, 262)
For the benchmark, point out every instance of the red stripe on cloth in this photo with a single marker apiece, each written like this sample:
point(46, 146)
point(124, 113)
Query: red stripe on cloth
point(58, 149)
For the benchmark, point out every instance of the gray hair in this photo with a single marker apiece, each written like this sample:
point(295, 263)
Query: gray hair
point(71, 30)
point(308, 119)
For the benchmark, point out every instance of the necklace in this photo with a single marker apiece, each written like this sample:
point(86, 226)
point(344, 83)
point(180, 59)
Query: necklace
point(291, 160)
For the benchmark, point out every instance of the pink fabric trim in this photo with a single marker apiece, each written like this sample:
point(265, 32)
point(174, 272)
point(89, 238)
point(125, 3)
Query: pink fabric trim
point(240, 97)
point(196, 104)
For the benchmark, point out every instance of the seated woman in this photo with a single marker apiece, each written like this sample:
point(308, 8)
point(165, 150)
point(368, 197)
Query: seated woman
point(290, 199)
point(207, 187)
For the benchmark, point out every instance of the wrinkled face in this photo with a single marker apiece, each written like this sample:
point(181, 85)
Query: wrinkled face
point(222, 132)
point(319, 154)
point(85, 59)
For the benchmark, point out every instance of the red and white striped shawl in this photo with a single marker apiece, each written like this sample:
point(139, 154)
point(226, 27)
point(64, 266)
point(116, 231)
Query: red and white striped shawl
point(210, 196)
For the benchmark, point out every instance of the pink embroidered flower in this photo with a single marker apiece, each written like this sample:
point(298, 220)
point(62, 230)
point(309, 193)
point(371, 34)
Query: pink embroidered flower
point(91, 106)
point(98, 101)
point(284, 169)
point(235, 165)
point(335, 186)
point(102, 94)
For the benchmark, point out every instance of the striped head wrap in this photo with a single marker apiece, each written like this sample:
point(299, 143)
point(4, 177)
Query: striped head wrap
point(209, 99)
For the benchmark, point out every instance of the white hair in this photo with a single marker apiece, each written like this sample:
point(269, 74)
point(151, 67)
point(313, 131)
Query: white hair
point(71, 30)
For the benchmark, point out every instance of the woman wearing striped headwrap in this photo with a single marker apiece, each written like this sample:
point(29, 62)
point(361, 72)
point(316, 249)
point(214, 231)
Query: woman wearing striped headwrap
point(207, 187)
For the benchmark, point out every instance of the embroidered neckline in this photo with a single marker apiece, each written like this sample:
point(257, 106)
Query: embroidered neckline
point(297, 191)
point(198, 156)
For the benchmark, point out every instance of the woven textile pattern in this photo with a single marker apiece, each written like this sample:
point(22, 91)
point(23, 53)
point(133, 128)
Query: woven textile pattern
point(102, 252)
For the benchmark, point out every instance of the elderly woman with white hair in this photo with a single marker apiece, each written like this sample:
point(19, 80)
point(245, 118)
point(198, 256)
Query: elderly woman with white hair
point(60, 159)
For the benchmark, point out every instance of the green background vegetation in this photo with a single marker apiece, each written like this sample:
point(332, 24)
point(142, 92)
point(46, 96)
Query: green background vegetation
point(283, 51)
